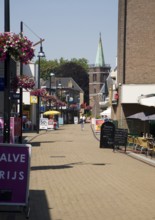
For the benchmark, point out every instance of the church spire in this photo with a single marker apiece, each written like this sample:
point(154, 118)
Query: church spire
point(99, 56)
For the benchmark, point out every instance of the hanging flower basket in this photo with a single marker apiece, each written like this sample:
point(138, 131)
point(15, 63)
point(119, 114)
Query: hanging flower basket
point(83, 105)
point(17, 46)
point(73, 106)
point(60, 103)
point(51, 98)
point(88, 107)
point(39, 92)
point(24, 82)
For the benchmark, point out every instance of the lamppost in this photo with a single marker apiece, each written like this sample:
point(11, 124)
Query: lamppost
point(67, 100)
point(7, 98)
point(60, 86)
point(51, 75)
point(21, 92)
point(40, 54)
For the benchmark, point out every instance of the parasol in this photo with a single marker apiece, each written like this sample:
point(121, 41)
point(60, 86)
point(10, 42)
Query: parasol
point(147, 100)
point(142, 116)
point(51, 112)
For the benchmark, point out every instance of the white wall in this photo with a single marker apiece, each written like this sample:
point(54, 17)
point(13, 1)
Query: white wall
point(131, 92)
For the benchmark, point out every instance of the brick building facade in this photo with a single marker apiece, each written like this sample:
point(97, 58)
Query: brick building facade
point(136, 57)
point(98, 74)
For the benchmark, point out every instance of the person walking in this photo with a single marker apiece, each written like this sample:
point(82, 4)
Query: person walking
point(82, 121)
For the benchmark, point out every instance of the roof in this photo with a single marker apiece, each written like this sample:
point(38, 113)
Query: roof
point(66, 82)
point(100, 56)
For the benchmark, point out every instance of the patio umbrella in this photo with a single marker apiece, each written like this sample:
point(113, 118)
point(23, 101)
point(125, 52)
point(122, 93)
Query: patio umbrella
point(142, 116)
point(151, 117)
point(106, 112)
point(147, 100)
point(51, 112)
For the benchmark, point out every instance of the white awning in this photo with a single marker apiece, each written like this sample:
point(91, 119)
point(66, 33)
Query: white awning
point(147, 100)
point(107, 112)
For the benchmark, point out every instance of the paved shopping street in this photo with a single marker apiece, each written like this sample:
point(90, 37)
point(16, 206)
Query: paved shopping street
point(72, 178)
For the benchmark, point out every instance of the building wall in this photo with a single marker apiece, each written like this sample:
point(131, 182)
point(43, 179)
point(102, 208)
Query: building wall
point(139, 41)
point(136, 49)
point(120, 50)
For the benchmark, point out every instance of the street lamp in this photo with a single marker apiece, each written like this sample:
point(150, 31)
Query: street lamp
point(51, 75)
point(7, 70)
point(40, 54)
point(21, 92)
point(60, 86)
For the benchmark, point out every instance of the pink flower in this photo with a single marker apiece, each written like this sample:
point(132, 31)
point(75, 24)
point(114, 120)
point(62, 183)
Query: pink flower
point(24, 82)
point(16, 46)
point(39, 92)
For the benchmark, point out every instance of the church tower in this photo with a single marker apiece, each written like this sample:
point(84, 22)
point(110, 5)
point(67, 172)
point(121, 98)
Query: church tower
point(99, 56)
point(98, 74)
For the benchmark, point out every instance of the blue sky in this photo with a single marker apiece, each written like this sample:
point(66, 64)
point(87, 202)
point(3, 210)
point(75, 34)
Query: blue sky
point(70, 27)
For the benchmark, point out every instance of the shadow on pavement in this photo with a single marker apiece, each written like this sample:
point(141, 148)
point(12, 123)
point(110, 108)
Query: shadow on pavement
point(35, 144)
point(39, 209)
point(64, 166)
point(53, 167)
point(99, 164)
point(39, 205)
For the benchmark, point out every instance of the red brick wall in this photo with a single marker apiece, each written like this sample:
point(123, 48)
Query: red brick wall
point(140, 41)
point(139, 48)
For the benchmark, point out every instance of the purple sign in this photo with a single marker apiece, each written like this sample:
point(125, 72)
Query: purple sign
point(14, 173)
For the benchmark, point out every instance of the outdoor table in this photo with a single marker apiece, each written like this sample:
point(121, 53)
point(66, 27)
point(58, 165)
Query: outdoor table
point(141, 141)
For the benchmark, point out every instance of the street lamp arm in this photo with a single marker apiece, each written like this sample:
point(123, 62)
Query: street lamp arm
point(41, 40)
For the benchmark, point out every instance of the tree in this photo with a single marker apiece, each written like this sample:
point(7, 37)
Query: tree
point(76, 68)
point(79, 72)
point(46, 67)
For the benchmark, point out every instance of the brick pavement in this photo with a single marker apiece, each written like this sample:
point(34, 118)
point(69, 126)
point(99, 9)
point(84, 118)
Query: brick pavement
point(73, 179)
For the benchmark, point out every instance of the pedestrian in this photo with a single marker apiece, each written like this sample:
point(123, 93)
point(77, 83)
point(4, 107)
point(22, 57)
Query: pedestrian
point(106, 118)
point(82, 121)
point(28, 124)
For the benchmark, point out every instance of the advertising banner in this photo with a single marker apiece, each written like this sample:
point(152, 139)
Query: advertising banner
point(15, 128)
point(60, 121)
point(98, 124)
point(1, 129)
point(43, 123)
point(33, 99)
point(14, 173)
point(76, 120)
point(50, 124)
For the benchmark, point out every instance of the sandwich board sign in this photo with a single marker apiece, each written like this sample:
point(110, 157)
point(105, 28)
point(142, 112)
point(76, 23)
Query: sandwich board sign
point(14, 173)
point(107, 135)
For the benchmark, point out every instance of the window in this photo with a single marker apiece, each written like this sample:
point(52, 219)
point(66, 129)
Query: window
point(94, 77)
